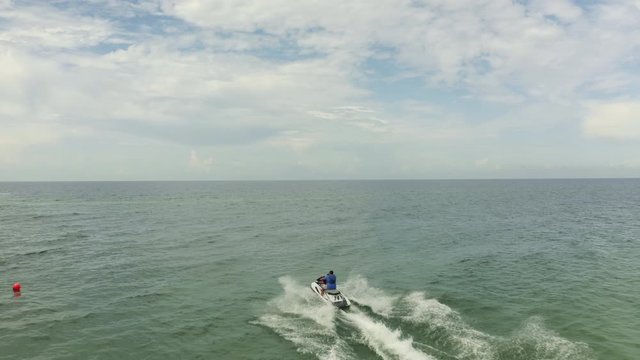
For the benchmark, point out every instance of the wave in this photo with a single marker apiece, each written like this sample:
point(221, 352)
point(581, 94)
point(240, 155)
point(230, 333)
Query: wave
point(407, 326)
point(362, 293)
point(301, 317)
point(442, 325)
point(534, 338)
point(388, 343)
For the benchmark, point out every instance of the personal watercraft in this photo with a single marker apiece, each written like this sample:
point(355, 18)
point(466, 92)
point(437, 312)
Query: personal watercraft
point(334, 297)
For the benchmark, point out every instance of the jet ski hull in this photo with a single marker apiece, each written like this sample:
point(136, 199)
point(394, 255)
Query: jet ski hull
point(333, 297)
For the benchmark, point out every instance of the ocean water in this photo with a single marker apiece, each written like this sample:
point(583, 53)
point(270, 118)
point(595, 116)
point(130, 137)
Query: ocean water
point(522, 269)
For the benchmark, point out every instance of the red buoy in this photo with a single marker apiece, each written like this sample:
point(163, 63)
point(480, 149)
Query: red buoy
point(16, 287)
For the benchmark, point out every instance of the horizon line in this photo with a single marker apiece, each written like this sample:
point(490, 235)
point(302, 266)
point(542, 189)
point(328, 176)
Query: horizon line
point(319, 180)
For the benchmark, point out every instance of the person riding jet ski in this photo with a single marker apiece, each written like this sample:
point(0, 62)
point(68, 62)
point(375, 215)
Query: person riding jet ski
point(325, 287)
point(328, 282)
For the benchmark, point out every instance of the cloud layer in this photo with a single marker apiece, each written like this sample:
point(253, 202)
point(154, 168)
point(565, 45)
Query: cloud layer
point(318, 89)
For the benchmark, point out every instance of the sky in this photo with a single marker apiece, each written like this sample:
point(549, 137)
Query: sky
point(318, 89)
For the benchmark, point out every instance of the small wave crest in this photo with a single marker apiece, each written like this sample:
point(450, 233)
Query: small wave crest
point(442, 325)
point(301, 317)
point(533, 338)
point(388, 343)
point(300, 301)
point(364, 294)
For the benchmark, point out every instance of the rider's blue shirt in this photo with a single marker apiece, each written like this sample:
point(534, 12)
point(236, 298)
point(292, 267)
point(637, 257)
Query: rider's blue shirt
point(331, 281)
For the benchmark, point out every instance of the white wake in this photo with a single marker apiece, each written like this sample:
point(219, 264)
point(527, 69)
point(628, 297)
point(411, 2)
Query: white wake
point(410, 326)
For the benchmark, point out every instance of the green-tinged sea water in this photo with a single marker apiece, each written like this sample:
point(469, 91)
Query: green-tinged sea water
point(522, 269)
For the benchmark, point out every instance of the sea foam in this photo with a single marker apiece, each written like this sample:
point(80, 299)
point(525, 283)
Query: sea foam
point(411, 326)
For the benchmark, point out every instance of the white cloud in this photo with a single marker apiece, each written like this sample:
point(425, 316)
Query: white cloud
point(491, 47)
point(613, 120)
point(14, 139)
point(44, 28)
point(319, 84)
point(564, 10)
point(294, 140)
point(615, 82)
point(195, 162)
point(358, 116)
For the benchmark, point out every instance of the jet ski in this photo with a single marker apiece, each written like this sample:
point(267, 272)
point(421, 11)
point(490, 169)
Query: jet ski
point(334, 297)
